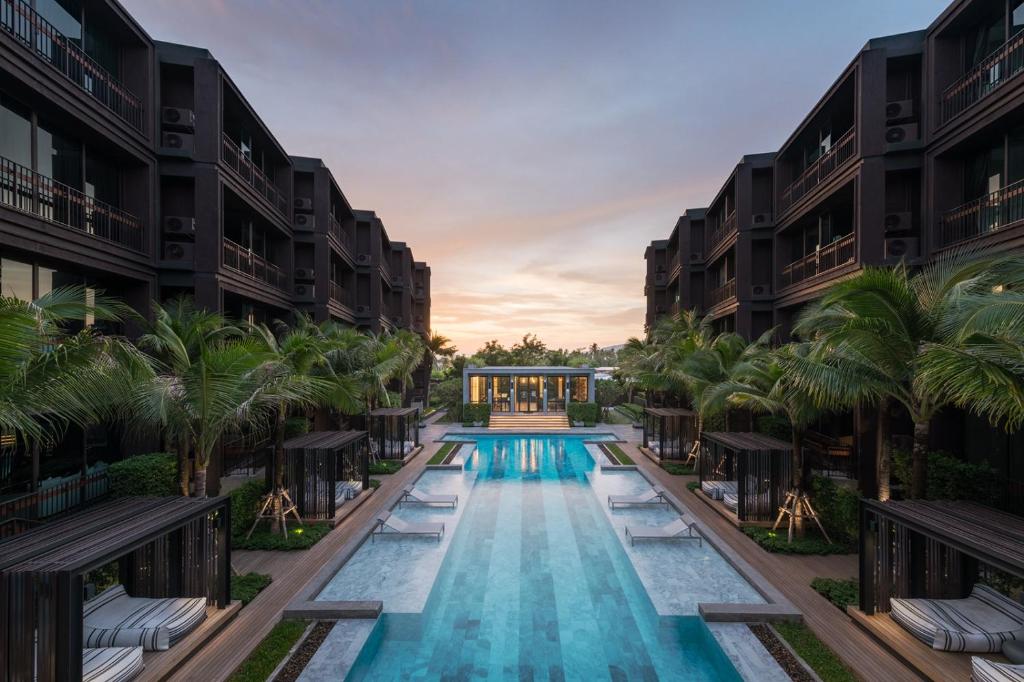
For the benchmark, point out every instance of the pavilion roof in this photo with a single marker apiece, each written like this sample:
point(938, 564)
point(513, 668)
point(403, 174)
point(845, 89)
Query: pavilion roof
point(323, 440)
point(746, 440)
point(393, 411)
point(670, 412)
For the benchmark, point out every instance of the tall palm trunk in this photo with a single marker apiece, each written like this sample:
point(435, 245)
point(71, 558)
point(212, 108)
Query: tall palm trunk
point(883, 461)
point(919, 460)
point(797, 462)
point(183, 466)
point(279, 429)
point(200, 478)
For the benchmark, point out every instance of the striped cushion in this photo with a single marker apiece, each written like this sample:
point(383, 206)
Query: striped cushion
point(716, 489)
point(154, 624)
point(980, 623)
point(731, 501)
point(111, 664)
point(984, 670)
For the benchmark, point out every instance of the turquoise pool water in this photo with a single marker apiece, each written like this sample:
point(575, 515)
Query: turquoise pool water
point(535, 585)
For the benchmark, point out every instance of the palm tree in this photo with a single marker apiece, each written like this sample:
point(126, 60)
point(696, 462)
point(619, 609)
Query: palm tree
point(440, 346)
point(412, 351)
point(949, 334)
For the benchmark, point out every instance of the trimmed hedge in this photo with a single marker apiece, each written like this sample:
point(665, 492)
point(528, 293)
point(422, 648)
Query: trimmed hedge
point(809, 543)
point(154, 475)
point(244, 588)
point(385, 467)
point(588, 413)
point(476, 412)
point(950, 478)
point(299, 537)
point(245, 504)
point(838, 508)
point(841, 593)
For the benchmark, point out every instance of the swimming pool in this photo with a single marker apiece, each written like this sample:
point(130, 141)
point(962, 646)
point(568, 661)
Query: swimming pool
point(532, 584)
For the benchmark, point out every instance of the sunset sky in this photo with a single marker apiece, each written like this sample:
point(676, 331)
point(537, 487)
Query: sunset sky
point(529, 150)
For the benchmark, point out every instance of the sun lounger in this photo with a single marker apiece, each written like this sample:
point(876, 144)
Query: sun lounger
point(716, 489)
point(392, 525)
point(114, 619)
point(980, 623)
point(111, 664)
point(652, 496)
point(413, 496)
point(984, 670)
point(679, 529)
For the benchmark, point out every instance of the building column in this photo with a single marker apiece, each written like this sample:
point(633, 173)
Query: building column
point(544, 392)
point(512, 394)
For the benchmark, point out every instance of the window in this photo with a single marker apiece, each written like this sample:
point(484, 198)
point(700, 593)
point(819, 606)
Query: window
point(102, 180)
point(983, 172)
point(15, 132)
point(580, 393)
point(60, 157)
point(16, 279)
point(477, 389)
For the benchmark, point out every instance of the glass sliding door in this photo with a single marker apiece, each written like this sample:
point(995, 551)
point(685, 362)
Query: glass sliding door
point(501, 394)
point(556, 393)
point(528, 395)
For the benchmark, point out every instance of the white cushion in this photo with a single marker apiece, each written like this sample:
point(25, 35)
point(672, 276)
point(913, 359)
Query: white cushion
point(114, 619)
point(111, 664)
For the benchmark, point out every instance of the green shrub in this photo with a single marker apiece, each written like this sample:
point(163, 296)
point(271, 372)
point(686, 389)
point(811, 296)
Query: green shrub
point(949, 477)
point(692, 486)
point(588, 413)
point(299, 537)
point(677, 469)
point(714, 422)
point(838, 508)
point(296, 426)
point(774, 426)
point(476, 412)
point(385, 467)
point(634, 411)
point(374, 483)
point(842, 593)
point(270, 652)
point(447, 394)
point(245, 504)
point(154, 474)
point(244, 588)
point(608, 392)
point(810, 543)
point(814, 652)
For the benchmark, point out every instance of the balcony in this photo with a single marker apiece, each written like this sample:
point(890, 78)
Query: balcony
point(40, 36)
point(722, 231)
point(338, 294)
point(25, 190)
point(825, 166)
point(244, 261)
point(983, 79)
point(834, 255)
point(338, 230)
point(982, 216)
point(674, 266)
point(419, 293)
point(385, 269)
point(723, 293)
point(253, 176)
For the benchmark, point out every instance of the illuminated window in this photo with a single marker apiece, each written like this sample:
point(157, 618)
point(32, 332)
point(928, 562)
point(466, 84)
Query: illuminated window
point(579, 390)
point(477, 389)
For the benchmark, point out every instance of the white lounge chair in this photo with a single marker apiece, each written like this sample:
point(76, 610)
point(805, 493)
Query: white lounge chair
point(984, 670)
point(652, 496)
point(392, 525)
point(979, 624)
point(114, 619)
point(679, 529)
point(717, 489)
point(413, 496)
point(111, 664)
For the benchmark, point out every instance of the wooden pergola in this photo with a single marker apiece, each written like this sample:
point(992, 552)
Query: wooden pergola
point(760, 465)
point(164, 546)
point(669, 432)
point(319, 463)
point(392, 429)
point(933, 549)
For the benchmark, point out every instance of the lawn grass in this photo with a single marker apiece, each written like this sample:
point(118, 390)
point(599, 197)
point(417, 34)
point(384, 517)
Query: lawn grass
point(271, 651)
point(810, 543)
point(612, 416)
point(619, 454)
point(385, 467)
point(677, 469)
point(439, 456)
point(244, 588)
point(814, 652)
point(841, 593)
point(299, 537)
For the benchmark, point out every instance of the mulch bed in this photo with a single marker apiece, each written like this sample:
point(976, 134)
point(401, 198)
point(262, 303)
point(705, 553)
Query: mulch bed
point(786, 660)
point(297, 663)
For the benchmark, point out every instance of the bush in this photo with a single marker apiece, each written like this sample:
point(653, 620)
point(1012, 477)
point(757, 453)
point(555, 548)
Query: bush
point(385, 467)
point(447, 394)
point(838, 508)
point(810, 543)
point(842, 593)
point(154, 474)
point(588, 413)
point(476, 412)
point(608, 392)
point(245, 504)
point(635, 412)
point(374, 483)
point(271, 651)
point(774, 426)
point(692, 486)
point(950, 478)
point(244, 588)
point(677, 469)
point(299, 537)
point(296, 426)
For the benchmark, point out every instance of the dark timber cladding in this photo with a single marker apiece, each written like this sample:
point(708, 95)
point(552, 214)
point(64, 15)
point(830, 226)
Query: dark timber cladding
point(394, 432)
point(165, 547)
point(669, 432)
point(317, 462)
point(933, 549)
point(760, 465)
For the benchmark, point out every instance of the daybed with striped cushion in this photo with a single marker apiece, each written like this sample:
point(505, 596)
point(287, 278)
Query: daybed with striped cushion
point(111, 664)
point(115, 619)
point(731, 501)
point(716, 489)
point(980, 623)
point(984, 670)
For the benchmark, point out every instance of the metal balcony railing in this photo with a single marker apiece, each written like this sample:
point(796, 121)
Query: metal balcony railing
point(20, 513)
point(675, 265)
point(385, 267)
point(253, 176)
point(721, 231)
point(723, 293)
point(825, 165)
point(983, 215)
point(40, 36)
point(243, 260)
point(983, 79)
point(25, 190)
point(338, 294)
point(338, 230)
point(834, 255)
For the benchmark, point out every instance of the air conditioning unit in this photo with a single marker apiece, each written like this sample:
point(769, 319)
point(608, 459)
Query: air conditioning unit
point(760, 291)
point(304, 293)
point(660, 268)
point(305, 222)
point(761, 218)
point(362, 310)
point(181, 252)
point(178, 224)
point(900, 110)
point(304, 274)
point(176, 118)
point(303, 204)
point(900, 221)
point(696, 256)
point(183, 141)
point(905, 132)
point(899, 248)
point(364, 259)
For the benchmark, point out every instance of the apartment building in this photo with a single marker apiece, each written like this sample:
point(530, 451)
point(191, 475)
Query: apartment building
point(138, 168)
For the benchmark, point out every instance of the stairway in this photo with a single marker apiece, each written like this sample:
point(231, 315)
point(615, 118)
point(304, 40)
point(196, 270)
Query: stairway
point(529, 422)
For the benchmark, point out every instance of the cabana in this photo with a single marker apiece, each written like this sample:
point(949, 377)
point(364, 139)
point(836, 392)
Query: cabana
point(669, 432)
point(394, 432)
point(164, 547)
point(920, 564)
point(752, 470)
point(324, 469)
